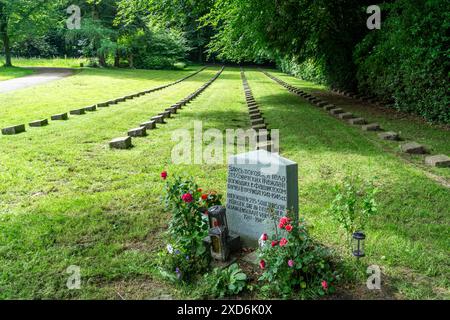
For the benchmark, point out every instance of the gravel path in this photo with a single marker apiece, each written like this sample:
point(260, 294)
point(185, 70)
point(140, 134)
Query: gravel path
point(40, 76)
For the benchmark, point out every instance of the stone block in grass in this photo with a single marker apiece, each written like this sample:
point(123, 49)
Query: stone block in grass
point(259, 127)
point(357, 121)
point(371, 127)
point(171, 110)
point(103, 105)
point(13, 129)
point(158, 119)
point(60, 116)
point(336, 111)
point(440, 161)
point(78, 112)
point(413, 148)
point(321, 104)
point(329, 107)
point(90, 108)
point(346, 116)
point(39, 123)
point(390, 135)
point(257, 121)
point(121, 143)
point(149, 125)
point(137, 132)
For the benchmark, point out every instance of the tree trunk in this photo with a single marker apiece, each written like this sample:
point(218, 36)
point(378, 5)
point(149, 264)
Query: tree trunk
point(101, 60)
point(117, 59)
point(5, 37)
point(130, 61)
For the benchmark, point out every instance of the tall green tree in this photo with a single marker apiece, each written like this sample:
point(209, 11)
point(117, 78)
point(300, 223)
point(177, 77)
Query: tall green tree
point(20, 18)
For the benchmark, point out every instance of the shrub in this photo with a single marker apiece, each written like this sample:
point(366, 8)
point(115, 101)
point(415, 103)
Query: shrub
point(292, 262)
point(186, 255)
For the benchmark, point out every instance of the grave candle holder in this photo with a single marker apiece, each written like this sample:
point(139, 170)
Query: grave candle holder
point(218, 233)
point(358, 244)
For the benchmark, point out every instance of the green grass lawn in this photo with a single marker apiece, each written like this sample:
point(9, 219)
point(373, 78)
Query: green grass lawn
point(67, 199)
point(7, 73)
point(44, 62)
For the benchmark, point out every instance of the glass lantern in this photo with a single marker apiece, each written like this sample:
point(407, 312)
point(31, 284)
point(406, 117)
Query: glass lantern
point(219, 247)
point(358, 244)
point(218, 218)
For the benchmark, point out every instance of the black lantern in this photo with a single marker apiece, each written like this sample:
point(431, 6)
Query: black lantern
point(358, 244)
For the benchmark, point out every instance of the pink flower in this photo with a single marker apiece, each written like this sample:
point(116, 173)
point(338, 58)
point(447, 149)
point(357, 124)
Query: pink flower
point(324, 285)
point(264, 237)
point(288, 228)
point(187, 197)
point(283, 242)
point(164, 175)
point(262, 264)
point(274, 243)
point(291, 263)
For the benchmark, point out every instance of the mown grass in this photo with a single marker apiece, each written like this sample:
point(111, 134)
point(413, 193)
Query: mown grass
point(7, 73)
point(67, 199)
point(46, 62)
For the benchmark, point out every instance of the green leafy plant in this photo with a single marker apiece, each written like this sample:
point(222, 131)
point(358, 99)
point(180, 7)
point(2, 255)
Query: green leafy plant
point(225, 282)
point(186, 254)
point(353, 205)
point(292, 262)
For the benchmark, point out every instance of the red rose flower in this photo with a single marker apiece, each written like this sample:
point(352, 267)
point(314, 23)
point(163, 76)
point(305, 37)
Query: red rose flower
point(283, 242)
point(262, 264)
point(283, 221)
point(264, 237)
point(204, 196)
point(274, 243)
point(187, 197)
point(164, 175)
point(288, 228)
point(324, 285)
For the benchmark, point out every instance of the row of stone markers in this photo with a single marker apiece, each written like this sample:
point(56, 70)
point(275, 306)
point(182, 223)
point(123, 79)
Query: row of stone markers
point(65, 116)
point(263, 139)
point(141, 131)
point(409, 147)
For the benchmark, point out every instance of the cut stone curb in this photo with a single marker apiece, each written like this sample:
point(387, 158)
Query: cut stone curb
point(440, 161)
point(13, 129)
point(413, 148)
point(138, 132)
point(38, 123)
point(121, 143)
point(61, 116)
point(329, 107)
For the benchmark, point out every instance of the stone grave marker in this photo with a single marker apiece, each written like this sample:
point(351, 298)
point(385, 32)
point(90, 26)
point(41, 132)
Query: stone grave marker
point(121, 143)
point(39, 123)
point(138, 132)
point(61, 116)
point(257, 181)
point(440, 161)
point(13, 130)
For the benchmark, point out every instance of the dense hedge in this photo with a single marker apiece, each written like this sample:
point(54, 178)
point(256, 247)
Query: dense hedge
point(405, 64)
point(407, 61)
